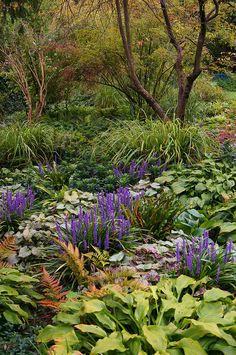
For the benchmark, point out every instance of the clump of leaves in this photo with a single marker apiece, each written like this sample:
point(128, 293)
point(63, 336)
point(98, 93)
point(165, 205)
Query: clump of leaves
point(17, 296)
point(206, 184)
point(163, 319)
point(7, 249)
point(52, 290)
point(156, 215)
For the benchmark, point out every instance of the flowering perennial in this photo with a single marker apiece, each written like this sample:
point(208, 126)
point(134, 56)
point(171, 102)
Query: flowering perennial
point(103, 226)
point(200, 257)
point(14, 205)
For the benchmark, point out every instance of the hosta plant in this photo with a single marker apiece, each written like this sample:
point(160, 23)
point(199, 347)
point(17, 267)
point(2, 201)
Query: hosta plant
point(17, 296)
point(168, 318)
point(206, 184)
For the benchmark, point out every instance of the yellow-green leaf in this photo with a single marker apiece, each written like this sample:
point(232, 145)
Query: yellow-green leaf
point(112, 342)
point(155, 336)
point(90, 328)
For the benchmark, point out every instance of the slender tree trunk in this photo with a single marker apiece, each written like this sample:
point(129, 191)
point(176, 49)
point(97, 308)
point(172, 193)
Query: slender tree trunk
point(185, 83)
point(124, 28)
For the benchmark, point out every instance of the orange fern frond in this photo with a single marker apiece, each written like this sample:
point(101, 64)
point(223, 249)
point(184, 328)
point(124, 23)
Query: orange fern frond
point(5, 264)
point(52, 291)
point(8, 247)
point(74, 260)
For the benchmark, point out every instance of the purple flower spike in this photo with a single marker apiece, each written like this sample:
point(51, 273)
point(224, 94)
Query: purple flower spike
point(213, 252)
point(198, 271)
point(107, 240)
point(189, 259)
point(226, 254)
point(205, 239)
point(177, 252)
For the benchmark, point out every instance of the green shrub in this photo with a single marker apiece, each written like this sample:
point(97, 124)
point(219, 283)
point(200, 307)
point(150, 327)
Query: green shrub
point(173, 142)
point(17, 297)
point(20, 144)
point(163, 319)
point(205, 184)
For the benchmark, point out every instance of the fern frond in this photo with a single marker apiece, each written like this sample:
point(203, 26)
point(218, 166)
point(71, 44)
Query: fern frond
point(52, 291)
point(4, 264)
point(74, 260)
point(8, 247)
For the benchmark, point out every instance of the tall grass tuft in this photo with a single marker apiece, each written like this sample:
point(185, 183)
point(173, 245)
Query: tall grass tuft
point(173, 142)
point(20, 144)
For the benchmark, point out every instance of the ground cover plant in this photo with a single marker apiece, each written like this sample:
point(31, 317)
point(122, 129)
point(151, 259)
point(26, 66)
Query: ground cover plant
point(117, 177)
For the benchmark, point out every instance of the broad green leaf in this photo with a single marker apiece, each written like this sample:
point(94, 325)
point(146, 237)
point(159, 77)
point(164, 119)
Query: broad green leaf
point(58, 332)
point(26, 299)
point(200, 187)
point(142, 306)
point(155, 337)
point(185, 308)
point(178, 187)
point(112, 342)
point(211, 312)
point(92, 306)
point(127, 336)
point(190, 347)
point(223, 347)
point(128, 298)
point(16, 308)
point(183, 282)
point(215, 294)
point(135, 346)
point(200, 329)
point(228, 227)
point(8, 290)
point(68, 318)
point(12, 317)
point(90, 328)
point(105, 320)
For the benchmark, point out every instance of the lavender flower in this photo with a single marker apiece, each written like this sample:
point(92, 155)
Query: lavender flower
point(177, 252)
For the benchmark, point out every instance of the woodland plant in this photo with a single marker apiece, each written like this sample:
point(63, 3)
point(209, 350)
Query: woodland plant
point(155, 215)
point(204, 184)
point(104, 226)
point(20, 144)
point(201, 257)
point(17, 296)
point(173, 142)
point(166, 318)
point(13, 207)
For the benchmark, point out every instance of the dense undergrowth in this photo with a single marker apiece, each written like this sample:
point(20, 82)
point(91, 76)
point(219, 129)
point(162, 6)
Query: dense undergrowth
point(118, 231)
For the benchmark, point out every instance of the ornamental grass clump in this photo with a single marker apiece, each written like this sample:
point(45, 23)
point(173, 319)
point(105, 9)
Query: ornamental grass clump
point(135, 140)
point(104, 226)
point(14, 206)
point(201, 257)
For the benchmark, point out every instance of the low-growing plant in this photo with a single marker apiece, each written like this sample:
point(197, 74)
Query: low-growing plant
point(13, 207)
point(17, 296)
point(174, 142)
point(155, 215)
point(205, 184)
point(200, 257)
point(8, 249)
point(167, 318)
point(103, 226)
point(20, 144)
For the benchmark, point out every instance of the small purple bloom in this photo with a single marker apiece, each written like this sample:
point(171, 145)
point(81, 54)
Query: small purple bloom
point(218, 274)
point(177, 252)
